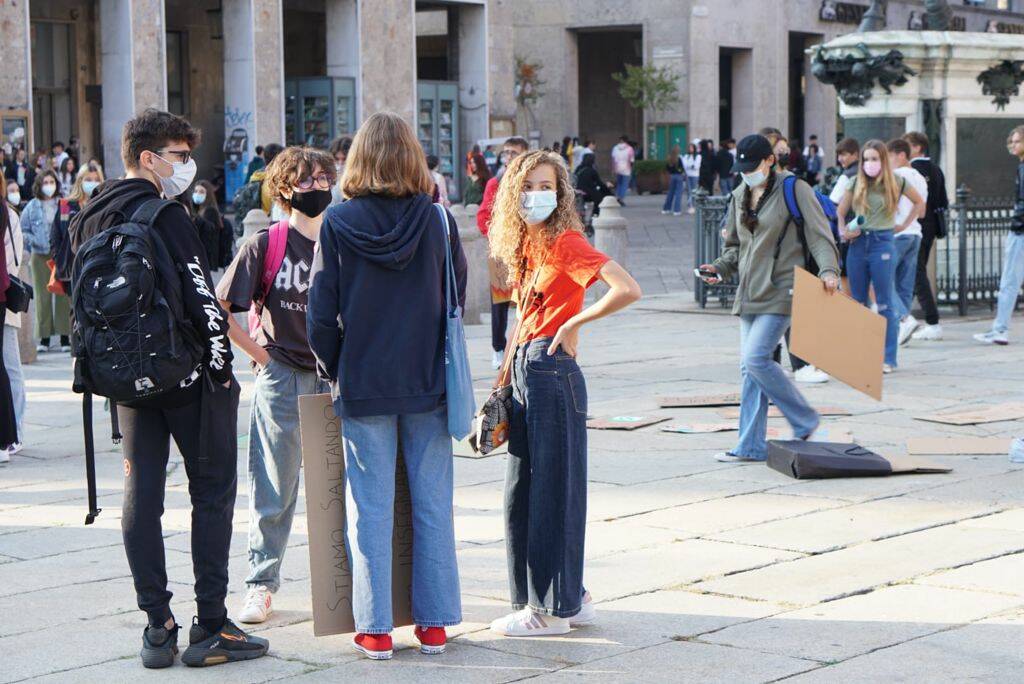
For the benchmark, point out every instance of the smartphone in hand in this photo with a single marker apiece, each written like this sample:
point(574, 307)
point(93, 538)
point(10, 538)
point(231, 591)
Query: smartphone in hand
point(706, 275)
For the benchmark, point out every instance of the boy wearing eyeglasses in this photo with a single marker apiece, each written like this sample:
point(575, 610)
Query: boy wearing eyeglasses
point(270, 278)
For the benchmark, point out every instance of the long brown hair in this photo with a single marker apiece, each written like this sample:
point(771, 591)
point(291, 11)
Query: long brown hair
point(386, 159)
point(673, 155)
point(77, 193)
point(889, 189)
point(508, 233)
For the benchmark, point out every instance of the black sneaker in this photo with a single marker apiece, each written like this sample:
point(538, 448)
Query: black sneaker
point(226, 645)
point(159, 646)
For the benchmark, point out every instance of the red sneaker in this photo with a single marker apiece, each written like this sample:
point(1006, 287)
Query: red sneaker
point(432, 639)
point(374, 646)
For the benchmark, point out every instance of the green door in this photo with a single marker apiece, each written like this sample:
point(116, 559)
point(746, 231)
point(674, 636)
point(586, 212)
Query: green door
point(661, 138)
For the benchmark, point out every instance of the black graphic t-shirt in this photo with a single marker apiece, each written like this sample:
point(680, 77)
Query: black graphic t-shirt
point(283, 318)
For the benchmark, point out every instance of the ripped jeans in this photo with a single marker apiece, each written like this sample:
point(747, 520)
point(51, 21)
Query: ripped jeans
point(869, 263)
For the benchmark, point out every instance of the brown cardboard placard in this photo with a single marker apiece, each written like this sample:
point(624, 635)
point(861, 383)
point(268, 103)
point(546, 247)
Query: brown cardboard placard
point(701, 400)
point(624, 422)
point(700, 428)
point(774, 412)
point(981, 414)
point(958, 446)
point(837, 334)
point(330, 575)
point(902, 465)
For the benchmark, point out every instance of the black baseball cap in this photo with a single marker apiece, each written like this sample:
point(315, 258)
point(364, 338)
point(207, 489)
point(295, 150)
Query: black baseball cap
point(750, 152)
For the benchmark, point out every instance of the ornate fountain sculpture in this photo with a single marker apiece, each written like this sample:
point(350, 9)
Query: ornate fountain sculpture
point(937, 15)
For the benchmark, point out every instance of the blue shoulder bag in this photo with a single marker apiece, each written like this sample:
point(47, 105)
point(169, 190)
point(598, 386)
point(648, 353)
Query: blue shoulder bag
point(458, 379)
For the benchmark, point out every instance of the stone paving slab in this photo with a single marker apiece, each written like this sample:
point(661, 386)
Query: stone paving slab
point(999, 575)
point(742, 511)
point(852, 626)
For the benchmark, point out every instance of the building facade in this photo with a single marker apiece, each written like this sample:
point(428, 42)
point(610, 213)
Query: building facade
point(252, 72)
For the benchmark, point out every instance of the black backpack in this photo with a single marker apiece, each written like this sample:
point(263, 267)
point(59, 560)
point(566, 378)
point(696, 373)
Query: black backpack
point(131, 338)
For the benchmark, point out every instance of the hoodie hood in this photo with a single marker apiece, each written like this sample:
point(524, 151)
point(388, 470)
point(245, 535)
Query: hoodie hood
point(384, 230)
point(105, 207)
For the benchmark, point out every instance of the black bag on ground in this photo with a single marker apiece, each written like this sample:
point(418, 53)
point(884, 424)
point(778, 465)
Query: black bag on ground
point(131, 338)
point(818, 460)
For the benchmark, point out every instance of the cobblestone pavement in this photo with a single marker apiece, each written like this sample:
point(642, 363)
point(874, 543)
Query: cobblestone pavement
point(702, 571)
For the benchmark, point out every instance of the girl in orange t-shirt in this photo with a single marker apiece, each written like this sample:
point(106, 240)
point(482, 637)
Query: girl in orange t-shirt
point(536, 233)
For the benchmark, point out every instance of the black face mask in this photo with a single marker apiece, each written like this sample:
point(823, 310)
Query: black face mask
point(312, 203)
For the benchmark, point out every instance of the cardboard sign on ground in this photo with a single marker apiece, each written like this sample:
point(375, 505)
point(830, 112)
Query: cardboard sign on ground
point(709, 400)
point(982, 414)
point(330, 575)
point(958, 446)
point(774, 412)
point(700, 428)
point(624, 422)
point(838, 335)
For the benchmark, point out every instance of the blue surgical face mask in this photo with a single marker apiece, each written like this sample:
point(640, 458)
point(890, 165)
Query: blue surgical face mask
point(88, 187)
point(538, 205)
point(198, 197)
point(755, 179)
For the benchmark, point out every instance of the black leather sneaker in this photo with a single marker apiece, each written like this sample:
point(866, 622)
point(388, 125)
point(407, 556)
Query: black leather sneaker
point(159, 646)
point(226, 645)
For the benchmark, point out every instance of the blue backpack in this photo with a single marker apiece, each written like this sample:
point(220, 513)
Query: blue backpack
point(827, 206)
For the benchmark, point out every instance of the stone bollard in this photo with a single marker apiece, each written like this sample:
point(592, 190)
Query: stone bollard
point(610, 236)
point(478, 281)
point(26, 334)
point(255, 221)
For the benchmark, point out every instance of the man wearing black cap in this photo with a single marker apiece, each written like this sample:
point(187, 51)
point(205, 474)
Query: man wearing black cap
point(760, 237)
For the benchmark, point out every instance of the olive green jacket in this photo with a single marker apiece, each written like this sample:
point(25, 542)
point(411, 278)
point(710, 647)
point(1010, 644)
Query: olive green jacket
point(765, 282)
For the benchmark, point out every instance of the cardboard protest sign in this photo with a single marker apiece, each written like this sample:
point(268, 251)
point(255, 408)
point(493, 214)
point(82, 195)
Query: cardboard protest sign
point(702, 400)
point(330, 575)
point(624, 422)
point(774, 412)
point(700, 428)
point(837, 334)
point(979, 414)
point(958, 446)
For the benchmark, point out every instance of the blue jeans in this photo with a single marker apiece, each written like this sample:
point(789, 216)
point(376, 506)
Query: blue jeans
point(546, 483)
point(869, 262)
point(371, 449)
point(12, 362)
point(725, 184)
point(1010, 282)
point(904, 276)
point(621, 185)
point(674, 197)
point(764, 380)
point(692, 183)
point(275, 456)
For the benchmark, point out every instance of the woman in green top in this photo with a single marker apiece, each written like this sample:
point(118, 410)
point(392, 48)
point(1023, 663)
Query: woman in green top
point(874, 195)
point(477, 180)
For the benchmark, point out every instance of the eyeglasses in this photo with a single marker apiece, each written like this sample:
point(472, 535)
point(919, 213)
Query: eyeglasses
point(182, 155)
point(322, 181)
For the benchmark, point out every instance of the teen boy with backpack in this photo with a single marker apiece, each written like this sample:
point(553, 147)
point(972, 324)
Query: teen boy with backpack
point(183, 379)
point(270, 278)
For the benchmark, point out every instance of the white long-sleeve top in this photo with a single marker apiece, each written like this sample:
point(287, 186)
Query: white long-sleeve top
point(14, 245)
point(691, 164)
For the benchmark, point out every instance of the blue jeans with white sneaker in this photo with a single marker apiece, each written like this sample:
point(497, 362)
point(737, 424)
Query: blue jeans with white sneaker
point(904, 277)
point(371, 449)
point(1010, 281)
point(275, 456)
point(869, 262)
point(764, 380)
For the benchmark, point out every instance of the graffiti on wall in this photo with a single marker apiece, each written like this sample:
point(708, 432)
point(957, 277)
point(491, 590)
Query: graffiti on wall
point(237, 126)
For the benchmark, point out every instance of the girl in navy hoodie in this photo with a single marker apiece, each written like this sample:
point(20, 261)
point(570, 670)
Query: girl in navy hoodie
point(376, 324)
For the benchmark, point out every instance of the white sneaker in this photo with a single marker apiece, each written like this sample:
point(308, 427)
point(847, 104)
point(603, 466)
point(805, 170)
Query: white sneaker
point(587, 614)
point(993, 337)
point(677, 213)
point(42, 349)
point(664, 212)
point(928, 332)
point(886, 368)
point(526, 623)
point(258, 605)
point(907, 327)
point(5, 456)
point(810, 374)
point(15, 448)
point(874, 307)
point(496, 360)
point(691, 210)
point(729, 457)
point(65, 349)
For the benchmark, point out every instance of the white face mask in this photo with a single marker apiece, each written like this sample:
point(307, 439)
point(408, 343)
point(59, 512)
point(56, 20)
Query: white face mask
point(89, 187)
point(49, 189)
point(198, 197)
point(14, 198)
point(538, 205)
point(755, 179)
point(182, 176)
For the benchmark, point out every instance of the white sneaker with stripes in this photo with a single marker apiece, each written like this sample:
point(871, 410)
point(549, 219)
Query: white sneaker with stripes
point(526, 623)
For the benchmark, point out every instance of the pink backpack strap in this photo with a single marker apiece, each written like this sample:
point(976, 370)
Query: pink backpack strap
point(277, 243)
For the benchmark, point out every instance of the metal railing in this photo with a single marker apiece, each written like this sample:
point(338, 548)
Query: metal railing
point(708, 246)
point(969, 261)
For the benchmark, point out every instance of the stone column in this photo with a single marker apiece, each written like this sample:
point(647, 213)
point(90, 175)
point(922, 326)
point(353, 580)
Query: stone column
point(133, 48)
point(16, 76)
point(343, 42)
point(500, 73)
point(387, 58)
point(610, 236)
point(474, 113)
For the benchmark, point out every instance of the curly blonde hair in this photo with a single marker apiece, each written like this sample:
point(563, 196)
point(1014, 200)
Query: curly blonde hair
point(508, 231)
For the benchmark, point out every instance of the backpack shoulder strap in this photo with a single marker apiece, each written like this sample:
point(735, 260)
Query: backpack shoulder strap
point(277, 243)
point(147, 212)
point(789, 193)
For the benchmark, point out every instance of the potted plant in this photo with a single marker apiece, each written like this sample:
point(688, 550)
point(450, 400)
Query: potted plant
point(651, 176)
